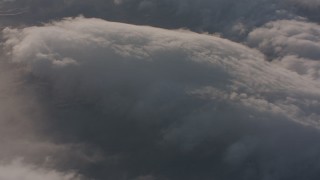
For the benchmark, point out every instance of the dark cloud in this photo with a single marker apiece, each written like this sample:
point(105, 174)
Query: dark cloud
point(84, 98)
point(201, 16)
point(160, 104)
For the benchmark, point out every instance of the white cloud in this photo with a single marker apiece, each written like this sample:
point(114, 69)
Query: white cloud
point(17, 170)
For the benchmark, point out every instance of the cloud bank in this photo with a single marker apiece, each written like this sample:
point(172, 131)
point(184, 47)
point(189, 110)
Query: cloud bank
point(168, 104)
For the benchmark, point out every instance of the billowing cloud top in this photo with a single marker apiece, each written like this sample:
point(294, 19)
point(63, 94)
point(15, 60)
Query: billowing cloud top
point(154, 103)
point(296, 44)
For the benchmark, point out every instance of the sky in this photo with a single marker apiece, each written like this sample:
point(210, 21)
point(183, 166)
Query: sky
point(159, 90)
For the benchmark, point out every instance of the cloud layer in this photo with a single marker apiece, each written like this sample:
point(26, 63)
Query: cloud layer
point(160, 104)
point(223, 16)
point(85, 98)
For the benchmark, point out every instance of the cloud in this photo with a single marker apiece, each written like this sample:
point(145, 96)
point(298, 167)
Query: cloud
point(295, 43)
point(20, 171)
point(219, 16)
point(22, 133)
point(309, 3)
point(118, 101)
point(300, 65)
point(286, 37)
point(159, 102)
